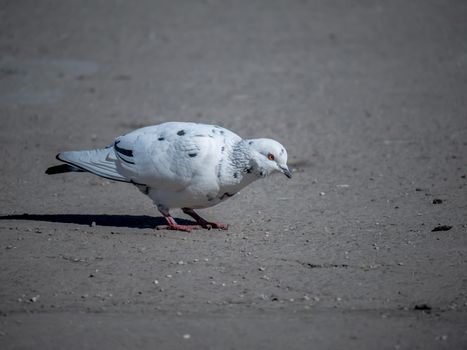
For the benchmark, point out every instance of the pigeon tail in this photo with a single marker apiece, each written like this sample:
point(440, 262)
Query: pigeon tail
point(101, 162)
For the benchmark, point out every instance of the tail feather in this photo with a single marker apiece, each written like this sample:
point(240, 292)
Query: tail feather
point(101, 162)
point(62, 168)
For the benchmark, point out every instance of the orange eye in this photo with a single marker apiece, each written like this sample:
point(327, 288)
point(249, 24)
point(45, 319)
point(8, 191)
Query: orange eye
point(270, 156)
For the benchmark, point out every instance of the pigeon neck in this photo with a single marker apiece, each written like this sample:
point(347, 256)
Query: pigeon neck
point(238, 170)
point(241, 155)
point(242, 161)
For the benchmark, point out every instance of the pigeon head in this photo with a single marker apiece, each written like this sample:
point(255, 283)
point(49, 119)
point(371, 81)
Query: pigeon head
point(268, 157)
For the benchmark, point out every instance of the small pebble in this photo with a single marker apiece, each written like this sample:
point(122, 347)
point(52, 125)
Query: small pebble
point(422, 307)
point(442, 228)
point(156, 282)
point(186, 336)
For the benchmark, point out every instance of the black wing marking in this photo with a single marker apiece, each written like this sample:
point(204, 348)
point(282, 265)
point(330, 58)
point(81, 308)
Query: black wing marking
point(122, 153)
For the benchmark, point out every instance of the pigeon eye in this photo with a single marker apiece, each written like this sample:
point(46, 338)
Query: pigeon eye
point(270, 156)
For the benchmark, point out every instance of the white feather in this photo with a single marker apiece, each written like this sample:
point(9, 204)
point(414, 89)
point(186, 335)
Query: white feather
point(183, 164)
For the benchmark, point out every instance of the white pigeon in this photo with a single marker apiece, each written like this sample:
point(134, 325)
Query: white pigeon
point(182, 165)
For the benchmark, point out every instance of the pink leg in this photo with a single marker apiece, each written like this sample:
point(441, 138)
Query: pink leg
point(202, 222)
point(172, 224)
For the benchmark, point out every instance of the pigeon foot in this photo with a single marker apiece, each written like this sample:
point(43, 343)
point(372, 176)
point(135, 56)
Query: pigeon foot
point(204, 223)
point(177, 227)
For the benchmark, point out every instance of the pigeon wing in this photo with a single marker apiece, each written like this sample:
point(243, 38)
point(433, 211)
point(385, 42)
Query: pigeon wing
point(172, 155)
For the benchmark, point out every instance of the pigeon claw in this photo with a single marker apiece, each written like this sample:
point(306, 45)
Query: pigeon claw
point(177, 227)
point(202, 222)
point(219, 225)
point(215, 225)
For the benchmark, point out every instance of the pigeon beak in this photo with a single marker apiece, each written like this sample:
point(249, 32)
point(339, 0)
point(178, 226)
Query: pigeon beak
point(285, 170)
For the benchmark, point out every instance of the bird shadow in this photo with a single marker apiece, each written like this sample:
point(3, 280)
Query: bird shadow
point(130, 221)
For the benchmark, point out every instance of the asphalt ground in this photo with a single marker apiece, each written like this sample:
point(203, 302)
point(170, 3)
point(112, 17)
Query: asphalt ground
point(366, 247)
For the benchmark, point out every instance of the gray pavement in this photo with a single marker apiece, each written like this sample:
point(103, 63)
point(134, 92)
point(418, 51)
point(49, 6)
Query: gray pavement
point(369, 97)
